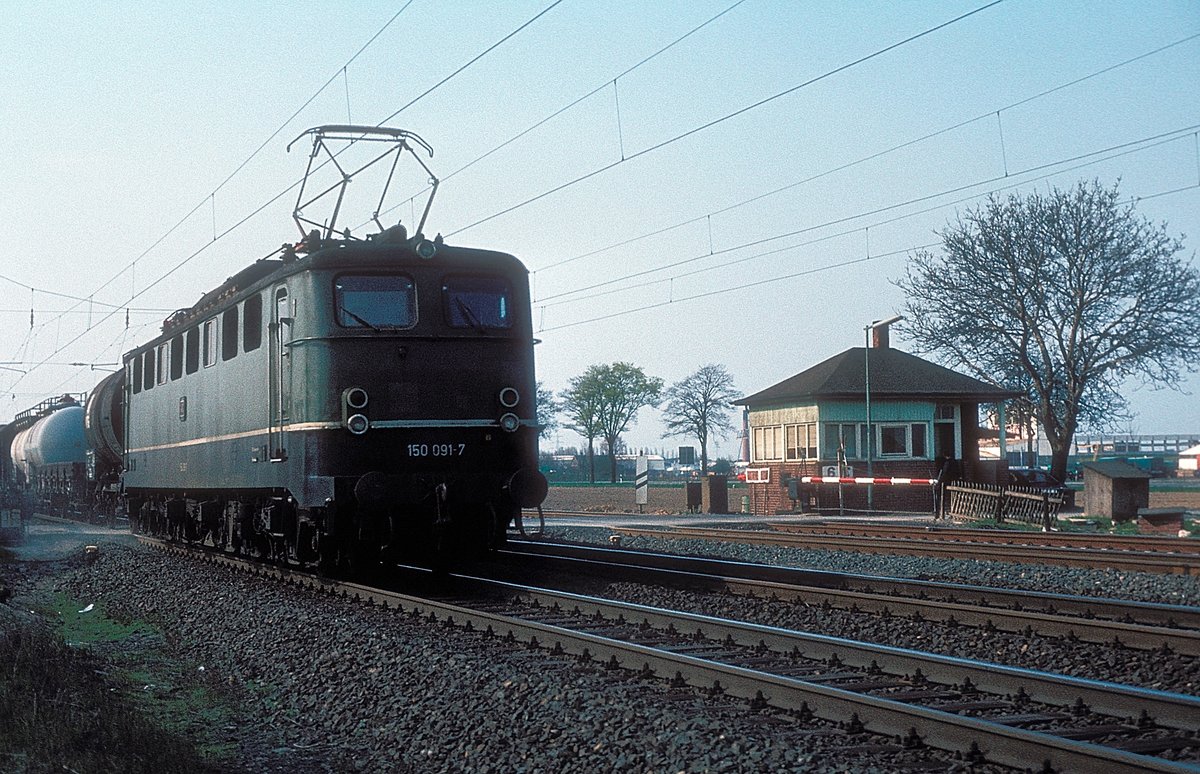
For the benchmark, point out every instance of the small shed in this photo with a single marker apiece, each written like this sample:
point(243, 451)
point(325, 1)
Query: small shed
point(1189, 462)
point(1114, 489)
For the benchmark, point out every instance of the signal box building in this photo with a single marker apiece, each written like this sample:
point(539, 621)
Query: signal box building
point(815, 424)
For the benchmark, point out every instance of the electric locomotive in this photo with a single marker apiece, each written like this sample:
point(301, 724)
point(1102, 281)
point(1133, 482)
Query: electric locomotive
point(347, 402)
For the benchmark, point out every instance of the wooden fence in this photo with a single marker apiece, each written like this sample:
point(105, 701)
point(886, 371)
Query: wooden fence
point(966, 500)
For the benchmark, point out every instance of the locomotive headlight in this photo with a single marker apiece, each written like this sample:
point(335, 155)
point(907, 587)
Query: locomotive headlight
point(509, 423)
point(355, 397)
point(358, 424)
point(509, 397)
point(426, 249)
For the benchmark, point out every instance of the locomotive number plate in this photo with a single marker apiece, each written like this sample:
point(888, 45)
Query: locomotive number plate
point(436, 449)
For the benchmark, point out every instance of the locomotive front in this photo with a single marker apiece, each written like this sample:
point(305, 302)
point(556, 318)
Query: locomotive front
point(419, 358)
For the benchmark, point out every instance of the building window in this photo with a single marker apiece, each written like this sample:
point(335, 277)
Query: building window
point(801, 441)
point(918, 440)
point(210, 342)
point(840, 438)
point(768, 443)
point(908, 440)
point(893, 440)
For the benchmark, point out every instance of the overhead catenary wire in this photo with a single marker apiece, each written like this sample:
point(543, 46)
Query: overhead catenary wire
point(582, 98)
point(1136, 145)
point(880, 154)
point(740, 111)
point(842, 264)
point(210, 198)
point(137, 293)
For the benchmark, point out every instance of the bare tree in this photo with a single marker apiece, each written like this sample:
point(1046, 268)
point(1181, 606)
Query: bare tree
point(699, 406)
point(1062, 296)
point(604, 402)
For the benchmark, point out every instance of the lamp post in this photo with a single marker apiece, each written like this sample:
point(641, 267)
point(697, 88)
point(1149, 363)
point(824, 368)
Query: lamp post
point(867, 392)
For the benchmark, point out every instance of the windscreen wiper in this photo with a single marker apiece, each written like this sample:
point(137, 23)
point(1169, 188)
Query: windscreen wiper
point(476, 323)
point(360, 320)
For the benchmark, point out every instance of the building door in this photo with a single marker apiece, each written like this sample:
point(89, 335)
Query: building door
point(943, 440)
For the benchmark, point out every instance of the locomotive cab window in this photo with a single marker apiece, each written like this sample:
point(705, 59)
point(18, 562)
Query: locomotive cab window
point(375, 301)
point(136, 378)
point(229, 333)
point(252, 323)
point(177, 356)
point(210, 342)
point(481, 303)
point(148, 370)
point(192, 361)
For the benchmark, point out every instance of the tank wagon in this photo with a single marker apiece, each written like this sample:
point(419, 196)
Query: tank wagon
point(47, 451)
point(347, 402)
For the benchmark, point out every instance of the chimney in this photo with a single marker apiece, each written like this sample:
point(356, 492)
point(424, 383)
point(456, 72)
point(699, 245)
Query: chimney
point(879, 337)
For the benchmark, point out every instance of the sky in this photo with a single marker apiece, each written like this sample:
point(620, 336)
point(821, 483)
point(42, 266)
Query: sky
point(696, 182)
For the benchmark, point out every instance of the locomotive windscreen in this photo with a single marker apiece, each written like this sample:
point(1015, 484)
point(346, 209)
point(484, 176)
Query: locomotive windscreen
point(477, 302)
point(375, 301)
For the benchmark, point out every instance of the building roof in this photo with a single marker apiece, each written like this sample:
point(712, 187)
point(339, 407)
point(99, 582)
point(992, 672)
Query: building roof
point(894, 375)
point(1115, 469)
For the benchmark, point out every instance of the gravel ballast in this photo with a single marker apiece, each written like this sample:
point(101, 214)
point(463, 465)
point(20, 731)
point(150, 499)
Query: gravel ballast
point(361, 688)
point(328, 684)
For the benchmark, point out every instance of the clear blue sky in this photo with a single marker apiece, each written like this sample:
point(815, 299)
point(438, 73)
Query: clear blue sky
point(120, 118)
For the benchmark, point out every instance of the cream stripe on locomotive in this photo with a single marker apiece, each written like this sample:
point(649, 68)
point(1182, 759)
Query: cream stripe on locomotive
point(384, 424)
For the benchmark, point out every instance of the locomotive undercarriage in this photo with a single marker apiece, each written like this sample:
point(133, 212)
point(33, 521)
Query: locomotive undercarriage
point(343, 538)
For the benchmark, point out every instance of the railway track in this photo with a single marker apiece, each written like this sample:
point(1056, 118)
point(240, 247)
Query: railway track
point(1141, 625)
point(1139, 543)
point(928, 545)
point(979, 711)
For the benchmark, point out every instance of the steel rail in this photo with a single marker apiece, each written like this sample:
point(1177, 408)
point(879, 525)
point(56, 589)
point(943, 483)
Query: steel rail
point(1170, 709)
point(1174, 564)
point(871, 594)
point(956, 733)
point(1153, 613)
point(1146, 543)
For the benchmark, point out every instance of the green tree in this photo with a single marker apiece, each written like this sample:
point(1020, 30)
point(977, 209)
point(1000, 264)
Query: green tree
point(699, 406)
point(1063, 296)
point(547, 411)
point(603, 402)
point(580, 404)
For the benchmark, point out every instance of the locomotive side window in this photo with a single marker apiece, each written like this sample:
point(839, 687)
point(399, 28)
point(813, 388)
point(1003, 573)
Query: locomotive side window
point(177, 357)
point(148, 370)
point(164, 351)
point(210, 342)
point(252, 323)
point(477, 302)
point(192, 361)
point(229, 325)
point(136, 380)
point(375, 301)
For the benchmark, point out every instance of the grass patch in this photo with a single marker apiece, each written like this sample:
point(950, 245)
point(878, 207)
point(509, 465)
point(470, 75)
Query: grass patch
point(91, 693)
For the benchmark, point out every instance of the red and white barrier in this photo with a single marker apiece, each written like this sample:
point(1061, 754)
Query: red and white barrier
point(867, 480)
